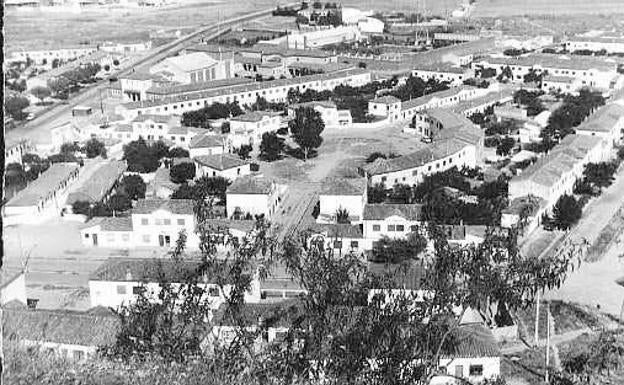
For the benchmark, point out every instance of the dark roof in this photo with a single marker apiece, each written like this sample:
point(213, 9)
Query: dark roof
point(145, 270)
point(155, 118)
point(44, 185)
point(474, 340)
point(206, 141)
point(381, 211)
point(338, 230)
point(250, 185)
point(65, 327)
point(344, 186)
point(386, 100)
point(253, 116)
point(110, 223)
point(99, 184)
point(276, 314)
point(220, 161)
point(175, 206)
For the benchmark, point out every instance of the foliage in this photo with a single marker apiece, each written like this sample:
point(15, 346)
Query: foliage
point(15, 105)
point(342, 216)
point(374, 156)
point(376, 193)
point(306, 129)
point(529, 99)
point(143, 157)
point(182, 172)
point(416, 87)
point(94, 148)
point(399, 250)
point(204, 188)
point(40, 92)
point(514, 52)
point(534, 76)
point(567, 212)
point(505, 146)
point(600, 174)
point(401, 193)
point(133, 187)
point(119, 202)
point(203, 116)
point(271, 147)
point(572, 113)
point(243, 151)
point(15, 176)
point(505, 75)
point(178, 152)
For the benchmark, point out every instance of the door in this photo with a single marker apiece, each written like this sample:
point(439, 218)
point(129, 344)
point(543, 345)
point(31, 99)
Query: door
point(95, 241)
point(161, 240)
point(167, 240)
point(459, 371)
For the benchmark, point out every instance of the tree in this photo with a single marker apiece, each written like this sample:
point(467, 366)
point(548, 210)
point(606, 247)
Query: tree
point(202, 117)
point(59, 85)
point(81, 208)
point(388, 250)
point(571, 113)
point(376, 193)
point(178, 152)
point(567, 212)
point(401, 193)
point(374, 156)
point(505, 146)
point(94, 148)
point(133, 187)
point(342, 216)
point(306, 129)
point(600, 174)
point(271, 147)
point(15, 176)
point(119, 202)
point(243, 151)
point(106, 67)
point(40, 93)
point(15, 105)
point(144, 158)
point(505, 75)
point(182, 172)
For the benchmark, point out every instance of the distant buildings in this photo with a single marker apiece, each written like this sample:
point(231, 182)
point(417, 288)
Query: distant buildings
point(229, 166)
point(46, 57)
point(609, 44)
point(444, 73)
point(14, 152)
point(318, 39)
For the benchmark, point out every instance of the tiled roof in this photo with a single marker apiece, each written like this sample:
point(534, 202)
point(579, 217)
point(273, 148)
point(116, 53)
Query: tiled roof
point(604, 119)
point(253, 116)
point(146, 270)
point(44, 185)
point(381, 211)
point(320, 103)
point(243, 88)
point(455, 126)
point(195, 87)
point(388, 99)
point(220, 162)
point(175, 206)
point(504, 95)
point(473, 341)
point(574, 62)
point(181, 130)
point(559, 79)
point(338, 231)
point(60, 326)
point(344, 186)
point(276, 314)
point(409, 104)
point(99, 184)
point(155, 118)
point(191, 62)
point(250, 185)
point(110, 223)
point(206, 141)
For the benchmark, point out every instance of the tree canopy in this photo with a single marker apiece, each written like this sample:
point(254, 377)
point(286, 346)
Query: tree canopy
point(203, 116)
point(271, 147)
point(143, 157)
point(306, 129)
point(182, 172)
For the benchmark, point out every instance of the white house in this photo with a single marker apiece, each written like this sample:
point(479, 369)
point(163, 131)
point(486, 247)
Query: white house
point(443, 73)
point(206, 145)
point(134, 85)
point(247, 129)
point(194, 67)
point(12, 286)
point(385, 106)
point(229, 166)
point(45, 57)
point(532, 128)
point(331, 115)
point(610, 44)
point(342, 194)
point(340, 238)
point(253, 196)
point(153, 127)
point(118, 281)
point(390, 220)
point(607, 122)
point(44, 197)
point(69, 334)
point(563, 84)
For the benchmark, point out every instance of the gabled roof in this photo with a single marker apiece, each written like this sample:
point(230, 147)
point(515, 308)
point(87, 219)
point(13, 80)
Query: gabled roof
point(381, 211)
point(474, 341)
point(314, 103)
point(220, 162)
point(206, 141)
point(250, 185)
point(175, 206)
point(110, 223)
point(44, 185)
point(409, 104)
point(344, 186)
point(99, 184)
point(60, 326)
point(146, 270)
point(604, 119)
point(254, 116)
point(388, 99)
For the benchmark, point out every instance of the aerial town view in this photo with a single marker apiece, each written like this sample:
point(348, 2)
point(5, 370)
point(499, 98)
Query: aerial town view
point(268, 192)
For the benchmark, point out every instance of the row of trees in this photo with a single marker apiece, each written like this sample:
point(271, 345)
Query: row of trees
point(204, 116)
point(71, 81)
point(131, 187)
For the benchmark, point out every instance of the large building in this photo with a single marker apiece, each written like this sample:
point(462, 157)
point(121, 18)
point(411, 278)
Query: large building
point(607, 123)
point(229, 166)
point(194, 67)
point(610, 44)
point(342, 194)
point(443, 72)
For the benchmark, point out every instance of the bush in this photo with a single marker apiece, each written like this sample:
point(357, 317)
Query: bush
point(388, 250)
point(254, 167)
point(567, 212)
point(182, 172)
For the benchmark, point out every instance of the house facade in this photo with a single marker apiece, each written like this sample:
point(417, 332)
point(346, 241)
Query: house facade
point(607, 123)
point(610, 44)
point(229, 166)
point(253, 196)
point(247, 129)
point(206, 144)
point(455, 76)
point(342, 194)
point(390, 220)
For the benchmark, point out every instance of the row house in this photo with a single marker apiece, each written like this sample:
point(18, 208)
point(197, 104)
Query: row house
point(44, 197)
point(253, 196)
point(592, 72)
point(99, 185)
point(554, 174)
point(562, 84)
point(119, 281)
point(455, 76)
point(610, 44)
point(607, 123)
point(45, 57)
point(331, 115)
point(272, 91)
point(173, 89)
point(338, 194)
point(247, 129)
point(14, 152)
point(229, 166)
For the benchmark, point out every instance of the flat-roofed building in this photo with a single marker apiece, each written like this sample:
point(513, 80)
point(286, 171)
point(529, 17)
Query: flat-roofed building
point(44, 197)
point(455, 76)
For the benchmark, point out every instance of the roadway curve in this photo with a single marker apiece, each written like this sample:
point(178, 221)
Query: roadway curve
point(51, 118)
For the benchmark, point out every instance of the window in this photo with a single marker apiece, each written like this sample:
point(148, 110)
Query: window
point(125, 237)
point(376, 228)
point(78, 355)
point(354, 244)
point(337, 244)
point(391, 228)
point(136, 290)
point(144, 221)
point(167, 222)
point(146, 238)
point(476, 370)
point(86, 235)
point(213, 291)
point(400, 228)
point(181, 222)
point(414, 173)
point(121, 289)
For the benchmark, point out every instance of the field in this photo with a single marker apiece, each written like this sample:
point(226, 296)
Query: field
point(38, 30)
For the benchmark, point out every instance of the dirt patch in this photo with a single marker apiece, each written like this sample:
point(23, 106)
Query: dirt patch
point(609, 235)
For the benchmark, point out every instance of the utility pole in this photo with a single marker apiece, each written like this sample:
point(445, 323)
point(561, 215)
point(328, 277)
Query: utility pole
point(537, 309)
point(548, 323)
